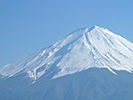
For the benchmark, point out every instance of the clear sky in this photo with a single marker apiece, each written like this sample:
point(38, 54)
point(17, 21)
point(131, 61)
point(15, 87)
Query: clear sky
point(29, 25)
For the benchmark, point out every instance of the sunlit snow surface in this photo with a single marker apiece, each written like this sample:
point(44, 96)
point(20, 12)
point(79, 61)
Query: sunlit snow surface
point(83, 49)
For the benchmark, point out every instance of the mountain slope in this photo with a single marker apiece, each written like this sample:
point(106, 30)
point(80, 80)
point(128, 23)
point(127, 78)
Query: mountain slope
point(88, 64)
point(90, 84)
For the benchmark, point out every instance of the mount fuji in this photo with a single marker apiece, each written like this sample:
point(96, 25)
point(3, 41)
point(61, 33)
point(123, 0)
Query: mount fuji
point(88, 64)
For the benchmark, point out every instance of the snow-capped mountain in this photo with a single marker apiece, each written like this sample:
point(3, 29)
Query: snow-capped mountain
point(83, 51)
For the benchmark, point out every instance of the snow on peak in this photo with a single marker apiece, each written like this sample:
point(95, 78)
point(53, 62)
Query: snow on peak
point(82, 49)
point(94, 27)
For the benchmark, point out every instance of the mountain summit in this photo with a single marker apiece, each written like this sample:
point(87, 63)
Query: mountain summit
point(88, 64)
point(82, 49)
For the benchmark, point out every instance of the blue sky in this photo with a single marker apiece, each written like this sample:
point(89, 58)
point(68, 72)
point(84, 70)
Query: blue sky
point(29, 25)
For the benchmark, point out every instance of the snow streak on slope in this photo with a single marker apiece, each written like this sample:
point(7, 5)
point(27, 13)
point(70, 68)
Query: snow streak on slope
point(83, 49)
